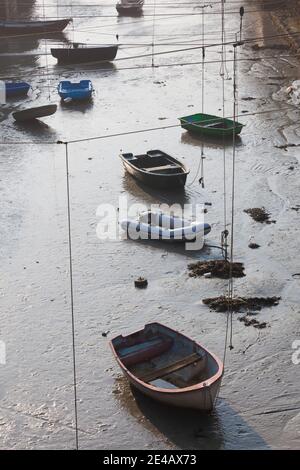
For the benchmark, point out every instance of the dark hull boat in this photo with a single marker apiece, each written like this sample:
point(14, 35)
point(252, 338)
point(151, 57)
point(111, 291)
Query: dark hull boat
point(80, 53)
point(34, 113)
point(13, 28)
point(156, 168)
point(211, 126)
point(130, 11)
point(130, 7)
point(169, 367)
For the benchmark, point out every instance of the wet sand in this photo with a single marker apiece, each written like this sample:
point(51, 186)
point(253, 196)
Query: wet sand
point(259, 406)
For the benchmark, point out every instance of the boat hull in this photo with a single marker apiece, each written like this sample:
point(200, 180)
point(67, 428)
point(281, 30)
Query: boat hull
point(34, 113)
point(16, 89)
point(203, 399)
point(199, 124)
point(157, 181)
point(32, 27)
point(129, 11)
point(156, 168)
point(84, 54)
point(75, 95)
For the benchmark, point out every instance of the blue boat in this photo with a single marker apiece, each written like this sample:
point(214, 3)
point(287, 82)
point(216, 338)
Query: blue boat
point(75, 90)
point(16, 89)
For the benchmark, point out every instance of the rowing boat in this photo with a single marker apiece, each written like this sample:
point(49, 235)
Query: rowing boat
point(130, 7)
point(77, 91)
point(210, 125)
point(169, 367)
point(81, 53)
point(156, 168)
point(19, 27)
point(30, 114)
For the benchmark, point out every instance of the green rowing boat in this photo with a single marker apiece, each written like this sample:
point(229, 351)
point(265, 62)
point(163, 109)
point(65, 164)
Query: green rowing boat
point(206, 124)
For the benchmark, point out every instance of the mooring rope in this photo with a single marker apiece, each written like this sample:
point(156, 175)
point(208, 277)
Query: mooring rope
point(229, 321)
point(201, 181)
point(71, 295)
point(222, 73)
point(153, 32)
point(235, 104)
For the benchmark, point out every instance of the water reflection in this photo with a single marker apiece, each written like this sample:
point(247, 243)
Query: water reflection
point(77, 106)
point(125, 16)
point(186, 429)
point(15, 9)
point(15, 50)
point(213, 142)
point(177, 248)
point(189, 429)
point(105, 68)
point(38, 130)
point(152, 195)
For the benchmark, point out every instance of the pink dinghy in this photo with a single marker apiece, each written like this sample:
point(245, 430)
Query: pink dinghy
point(169, 367)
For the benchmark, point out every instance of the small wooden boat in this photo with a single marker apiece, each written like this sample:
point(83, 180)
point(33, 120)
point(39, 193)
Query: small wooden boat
point(157, 225)
point(75, 91)
point(80, 53)
point(209, 125)
point(169, 367)
point(14, 89)
point(17, 27)
point(30, 114)
point(130, 7)
point(156, 168)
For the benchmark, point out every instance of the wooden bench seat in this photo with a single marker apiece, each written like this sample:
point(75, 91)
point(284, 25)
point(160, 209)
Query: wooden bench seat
point(158, 373)
point(163, 167)
point(215, 125)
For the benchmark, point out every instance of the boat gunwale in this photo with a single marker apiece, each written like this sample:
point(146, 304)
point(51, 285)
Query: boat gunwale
point(34, 23)
point(199, 386)
point(17, 85)
point(134, 5)
point(186, 170)
point(85, 47)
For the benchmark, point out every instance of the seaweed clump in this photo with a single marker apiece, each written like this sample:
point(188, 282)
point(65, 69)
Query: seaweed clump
point(253, 246)
point(216, 268)
point(259, 214)
point(240, 304)
point(253, 322)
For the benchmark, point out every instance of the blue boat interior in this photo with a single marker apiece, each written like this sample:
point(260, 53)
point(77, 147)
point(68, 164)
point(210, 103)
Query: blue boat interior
point(82, 85)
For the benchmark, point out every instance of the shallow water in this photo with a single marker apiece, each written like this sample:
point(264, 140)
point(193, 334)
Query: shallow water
point(259, 400)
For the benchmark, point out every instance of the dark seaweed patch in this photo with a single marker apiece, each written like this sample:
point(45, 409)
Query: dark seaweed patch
point(217, 268)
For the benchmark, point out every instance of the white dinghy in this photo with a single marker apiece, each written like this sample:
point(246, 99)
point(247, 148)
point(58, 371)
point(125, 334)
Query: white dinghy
point(156, 225)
